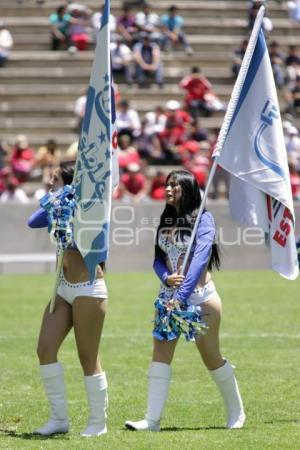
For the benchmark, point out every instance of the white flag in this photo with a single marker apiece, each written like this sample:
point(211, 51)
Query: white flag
point(96, 170)
point(254, 153)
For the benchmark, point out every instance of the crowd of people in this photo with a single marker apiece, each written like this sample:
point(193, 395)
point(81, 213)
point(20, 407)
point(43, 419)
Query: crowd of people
point(169, 135)
point(136, 39)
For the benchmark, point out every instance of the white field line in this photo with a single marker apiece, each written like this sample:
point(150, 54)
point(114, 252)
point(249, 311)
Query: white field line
point(130, 336)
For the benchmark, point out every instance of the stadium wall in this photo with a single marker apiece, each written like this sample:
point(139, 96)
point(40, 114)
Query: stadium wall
point(23, 250)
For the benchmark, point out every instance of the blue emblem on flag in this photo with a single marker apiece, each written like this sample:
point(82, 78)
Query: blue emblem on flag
point(268, 115)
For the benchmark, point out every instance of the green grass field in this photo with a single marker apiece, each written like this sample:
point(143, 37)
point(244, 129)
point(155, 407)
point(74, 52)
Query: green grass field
point(260, 335)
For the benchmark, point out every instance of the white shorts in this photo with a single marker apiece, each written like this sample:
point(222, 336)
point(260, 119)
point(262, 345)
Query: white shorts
point(202, 295)
point(198, 296)
point(69, 291)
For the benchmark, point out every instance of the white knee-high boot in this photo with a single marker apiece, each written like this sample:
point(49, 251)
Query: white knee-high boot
point(228, 387)
point(53, 380)
point(159, 377)
point(96, 389)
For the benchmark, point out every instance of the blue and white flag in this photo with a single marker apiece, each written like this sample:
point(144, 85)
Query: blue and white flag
point(254, 153)
point(96, 171)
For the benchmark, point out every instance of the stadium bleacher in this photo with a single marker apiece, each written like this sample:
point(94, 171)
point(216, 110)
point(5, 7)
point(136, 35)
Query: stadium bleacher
point(38, 87)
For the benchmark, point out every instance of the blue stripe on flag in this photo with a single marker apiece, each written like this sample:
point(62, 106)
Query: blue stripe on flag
point(257, 57)
point(88, 109)
point(105, 15)
point(266, 161)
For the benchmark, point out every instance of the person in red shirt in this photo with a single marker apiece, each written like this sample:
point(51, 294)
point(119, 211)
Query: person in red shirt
point(175, 132)
point(22, 159)
point(158, 186)
point(134, 183)
point(200, 97)
point(295, 180)
point(127, 153)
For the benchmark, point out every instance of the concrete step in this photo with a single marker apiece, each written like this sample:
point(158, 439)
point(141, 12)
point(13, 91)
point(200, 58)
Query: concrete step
point(207, 25)
point(64, 92)
point(199, 42)
point(40, 124)
point(196, 8)
point(43, 108)
point(40, 93)
point(61, 109)
point(76, 75)
point(84, 59)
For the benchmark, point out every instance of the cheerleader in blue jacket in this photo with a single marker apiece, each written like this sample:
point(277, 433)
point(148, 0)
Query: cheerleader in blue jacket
point(195, 288)
point(81, 305)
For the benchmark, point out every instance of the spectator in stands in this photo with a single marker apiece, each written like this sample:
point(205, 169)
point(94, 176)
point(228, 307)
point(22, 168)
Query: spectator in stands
point(200, 97)
point(292, 62)
point(4, 152)
point(128, 121)
point(295, 180)
point(148, 62)
point(199, 166)
point(60, 22)
point(175, 131)
point(172, 24)
point(6, 43)
point(22, 159)
point(191, 149)
point(121, 57)
point(294, 98)
point(221, 176)
point(5, 173)
point(127, 153)
point(158, 186)
point(155, 121)
point(148, 22)
point(134, 184)
point(292, 143)
point(148, 146)
point(197, 132)
point(277, 63)
point(126, 25)
point(47, 157)
point(12, 193)
point(96, 22)
point(294, 10)
point(267, 24)
point(78, 29)
point(238, 57)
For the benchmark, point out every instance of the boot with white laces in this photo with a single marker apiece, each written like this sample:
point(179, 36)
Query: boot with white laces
point(96, 389)
point(228, 387)
point(53, 380)
point(159, 377)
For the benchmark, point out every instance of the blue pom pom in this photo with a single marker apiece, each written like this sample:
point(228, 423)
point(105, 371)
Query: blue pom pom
point(60, 207)
point(172, 319)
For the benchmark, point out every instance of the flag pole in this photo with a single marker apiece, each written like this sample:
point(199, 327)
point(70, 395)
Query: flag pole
point(226, 123)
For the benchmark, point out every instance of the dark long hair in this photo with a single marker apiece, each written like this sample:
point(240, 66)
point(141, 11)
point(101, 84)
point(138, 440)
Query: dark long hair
point(188, 209)
point(67, 171)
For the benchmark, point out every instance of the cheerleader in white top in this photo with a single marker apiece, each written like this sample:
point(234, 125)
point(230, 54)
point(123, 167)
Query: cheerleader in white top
point(80, 305)
point(194, 291)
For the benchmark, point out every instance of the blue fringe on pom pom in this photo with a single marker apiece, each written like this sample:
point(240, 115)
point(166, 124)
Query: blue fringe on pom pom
point(60, 207)
point(174, 318)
